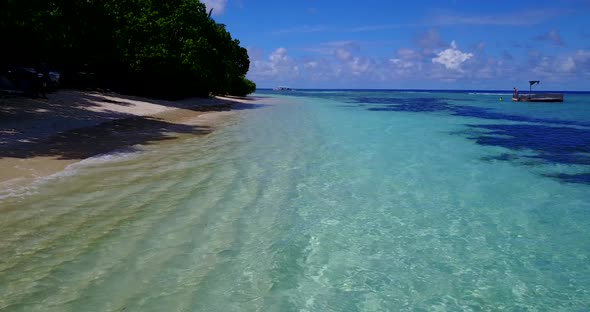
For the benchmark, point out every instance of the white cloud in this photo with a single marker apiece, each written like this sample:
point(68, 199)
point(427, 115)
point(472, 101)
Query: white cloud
point(405, 68)
point(407, 62)
point(279, 67)
point(360, 66)
point(550, 67)
point(218, 6)
point(321, 70)
point(343, 54)
point(340, 64)
point(401, 64)
point(561, 66)
point(346, 63)
point(278, 56)
point(568, 65)
point(311, 65)
point(582, 56)
point(452, 58)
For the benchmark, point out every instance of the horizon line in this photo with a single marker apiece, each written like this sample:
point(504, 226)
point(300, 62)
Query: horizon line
point(410, 89)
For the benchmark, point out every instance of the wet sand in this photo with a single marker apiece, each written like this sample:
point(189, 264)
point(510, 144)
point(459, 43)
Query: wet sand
point(39, 137)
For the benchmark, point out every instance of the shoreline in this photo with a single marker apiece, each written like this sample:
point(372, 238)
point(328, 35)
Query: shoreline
point(42, 137)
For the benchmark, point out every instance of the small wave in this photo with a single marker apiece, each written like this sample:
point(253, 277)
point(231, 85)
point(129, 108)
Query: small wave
point(119, 155)
point(15, 188)
point(16, 192)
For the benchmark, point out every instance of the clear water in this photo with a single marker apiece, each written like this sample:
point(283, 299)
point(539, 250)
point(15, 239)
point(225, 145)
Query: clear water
point(326, 201)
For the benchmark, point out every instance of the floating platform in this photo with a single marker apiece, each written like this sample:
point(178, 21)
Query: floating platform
point(543, 97)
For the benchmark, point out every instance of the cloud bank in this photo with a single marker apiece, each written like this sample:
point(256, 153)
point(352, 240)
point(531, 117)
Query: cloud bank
point(428, 63)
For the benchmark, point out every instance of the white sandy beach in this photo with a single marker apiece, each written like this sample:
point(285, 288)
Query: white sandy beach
point(39, 137)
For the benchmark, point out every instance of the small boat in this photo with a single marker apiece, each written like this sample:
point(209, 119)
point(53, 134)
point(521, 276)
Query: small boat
point(540, 97)
point(282, 89)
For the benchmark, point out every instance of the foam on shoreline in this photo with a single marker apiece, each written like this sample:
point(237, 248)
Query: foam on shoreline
point(22, 186)
point(41, 140)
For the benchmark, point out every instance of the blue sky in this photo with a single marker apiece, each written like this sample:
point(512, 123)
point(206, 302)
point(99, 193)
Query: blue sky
point(412, 44)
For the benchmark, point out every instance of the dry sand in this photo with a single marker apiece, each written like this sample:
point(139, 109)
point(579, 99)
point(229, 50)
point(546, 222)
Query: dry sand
point(39, 137)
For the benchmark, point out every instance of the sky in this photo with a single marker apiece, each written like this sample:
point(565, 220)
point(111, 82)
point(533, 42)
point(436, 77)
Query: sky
point(414, 44)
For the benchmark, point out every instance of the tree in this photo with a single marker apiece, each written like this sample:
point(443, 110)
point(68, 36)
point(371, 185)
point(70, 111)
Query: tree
point(242, 87)
point(160, 48)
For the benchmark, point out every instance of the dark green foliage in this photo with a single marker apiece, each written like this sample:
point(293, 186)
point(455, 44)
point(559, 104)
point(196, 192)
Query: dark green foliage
point(242, 86)
point(165, 48)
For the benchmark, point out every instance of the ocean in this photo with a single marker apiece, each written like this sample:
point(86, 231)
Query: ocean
point(326, 200)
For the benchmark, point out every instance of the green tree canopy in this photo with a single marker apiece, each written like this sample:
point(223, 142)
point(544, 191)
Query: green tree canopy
point(169, 48)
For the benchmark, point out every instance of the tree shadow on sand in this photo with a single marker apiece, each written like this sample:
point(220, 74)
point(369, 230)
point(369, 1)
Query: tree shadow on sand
point(76, 126)
point(103, 138)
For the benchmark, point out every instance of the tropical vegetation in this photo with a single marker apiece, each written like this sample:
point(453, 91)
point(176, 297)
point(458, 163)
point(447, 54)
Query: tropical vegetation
point(164, 48)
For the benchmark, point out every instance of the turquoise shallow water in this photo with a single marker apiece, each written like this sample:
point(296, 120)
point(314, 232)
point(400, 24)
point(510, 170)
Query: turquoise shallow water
point(325, 201)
